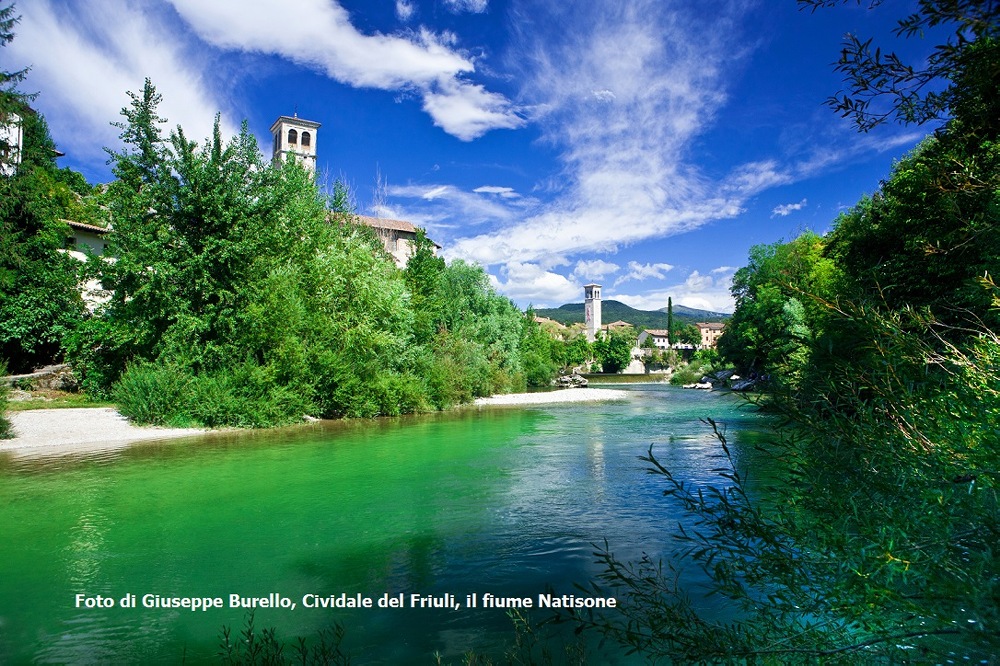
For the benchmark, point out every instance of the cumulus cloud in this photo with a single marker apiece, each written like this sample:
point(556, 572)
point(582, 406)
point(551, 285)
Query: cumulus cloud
point(705, 292)
point(85, 56)
point(594, 269)
point(637, 271)
point(787, 209)
point(322, 37)
point(528, 282)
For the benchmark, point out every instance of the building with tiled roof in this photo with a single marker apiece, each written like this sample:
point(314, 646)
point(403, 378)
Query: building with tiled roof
point(710, 333)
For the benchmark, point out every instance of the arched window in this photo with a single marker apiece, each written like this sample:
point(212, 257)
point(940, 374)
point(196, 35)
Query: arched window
point(293, 137)
point(305, 139)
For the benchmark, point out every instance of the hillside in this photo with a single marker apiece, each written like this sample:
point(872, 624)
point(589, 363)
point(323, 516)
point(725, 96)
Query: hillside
point(572, 313)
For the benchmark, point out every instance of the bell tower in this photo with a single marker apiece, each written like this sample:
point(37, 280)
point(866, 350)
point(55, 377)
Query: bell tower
point(296, 137)
point(592, 310)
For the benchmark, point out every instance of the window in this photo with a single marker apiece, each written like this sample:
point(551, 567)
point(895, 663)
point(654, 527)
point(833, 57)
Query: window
point(293, 136)
point(305, 139)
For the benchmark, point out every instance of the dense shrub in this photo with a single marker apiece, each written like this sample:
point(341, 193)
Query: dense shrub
point(239, 298)
point(6, 428)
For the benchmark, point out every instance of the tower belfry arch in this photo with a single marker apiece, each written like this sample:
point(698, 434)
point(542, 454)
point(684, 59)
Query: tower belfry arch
point(295, 137)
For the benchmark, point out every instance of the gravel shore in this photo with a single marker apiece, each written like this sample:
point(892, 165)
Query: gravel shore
point(57, 431)
point(564, 395)
point(49, 431)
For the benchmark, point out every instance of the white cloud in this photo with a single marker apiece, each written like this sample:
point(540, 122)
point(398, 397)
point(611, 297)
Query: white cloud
point(445, 206)
point(505, 192)
point(322, 37)
point(85, 56)
point(787, 209)
point(594, 269)
point(705, 292)
point(637, 271)
point(404, 10)
point(474, 6)
point(531, 283)
point(467, 110)
point(622, 91)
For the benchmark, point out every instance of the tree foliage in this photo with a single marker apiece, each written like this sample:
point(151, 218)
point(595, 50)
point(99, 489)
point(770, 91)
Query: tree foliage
point(614, 350)
point(882, 87)
point(875, 537)
point(39, 299)
point(241, 297)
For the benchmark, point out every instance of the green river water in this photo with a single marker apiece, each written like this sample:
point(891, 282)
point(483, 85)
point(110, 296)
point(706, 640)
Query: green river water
point(506, 501)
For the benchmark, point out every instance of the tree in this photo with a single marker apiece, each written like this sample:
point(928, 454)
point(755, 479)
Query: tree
point(614, 351)
point(670, 321)
point(883, 88)
point(39, 299)
point(12, 101)
point(777, 312)
point(537, 351)
point(235, 301)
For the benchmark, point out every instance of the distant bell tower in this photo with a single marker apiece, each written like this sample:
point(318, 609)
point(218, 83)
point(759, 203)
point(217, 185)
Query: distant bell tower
point(295, 136)
point(592, 308)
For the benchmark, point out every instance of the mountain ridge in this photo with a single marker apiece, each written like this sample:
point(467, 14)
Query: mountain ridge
point(612, 310)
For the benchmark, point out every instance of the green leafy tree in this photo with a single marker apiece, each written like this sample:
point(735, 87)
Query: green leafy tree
point(538, 352)
point(614, 351)
point(423, 275)
point(235, 301)
point(779, 309)
point(39, 299)
point(882, 87)
point(876, 538)
point(670, 321)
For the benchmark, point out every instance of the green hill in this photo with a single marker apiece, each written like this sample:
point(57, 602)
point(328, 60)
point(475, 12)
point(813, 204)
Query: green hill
point(572, 313)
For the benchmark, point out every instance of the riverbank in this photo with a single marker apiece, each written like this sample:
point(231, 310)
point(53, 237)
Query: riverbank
point(75, 429)
point(52, 431)
point(550, 397)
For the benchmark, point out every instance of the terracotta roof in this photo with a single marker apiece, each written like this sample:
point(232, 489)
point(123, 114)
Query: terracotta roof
point(86, 227)
point(712, 326)
point(379, 223)
point(658, 332)
point(617, 324)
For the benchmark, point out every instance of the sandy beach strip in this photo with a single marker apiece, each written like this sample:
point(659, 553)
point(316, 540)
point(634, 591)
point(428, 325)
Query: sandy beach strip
point(549, 397)
point(78, 429)
point(64, 430)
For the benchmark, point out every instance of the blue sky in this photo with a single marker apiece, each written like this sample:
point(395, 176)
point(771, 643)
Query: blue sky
point(642, 144)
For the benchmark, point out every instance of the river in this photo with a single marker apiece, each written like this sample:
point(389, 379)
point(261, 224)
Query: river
point(506, 501)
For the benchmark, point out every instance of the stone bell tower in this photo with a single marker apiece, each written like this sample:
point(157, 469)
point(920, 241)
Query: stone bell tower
point(592, 310)
point(295, 136)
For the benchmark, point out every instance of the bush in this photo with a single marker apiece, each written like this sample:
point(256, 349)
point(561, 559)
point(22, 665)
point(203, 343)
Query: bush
point(6, 428)
point(154, 395)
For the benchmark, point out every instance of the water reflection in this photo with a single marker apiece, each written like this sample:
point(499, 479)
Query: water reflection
point(508, 501)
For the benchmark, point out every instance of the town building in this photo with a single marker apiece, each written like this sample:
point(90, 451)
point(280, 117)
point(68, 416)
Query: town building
point(661, 339)
point(84, 238)
point(710, 333)
point(616, 326)
point(398, 237)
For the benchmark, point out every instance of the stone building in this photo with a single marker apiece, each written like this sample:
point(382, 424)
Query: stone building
point(397, 236)
point(295, 138)
point(592, 310)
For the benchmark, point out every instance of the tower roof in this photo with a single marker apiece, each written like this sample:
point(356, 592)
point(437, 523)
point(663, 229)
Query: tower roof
point(294, 120)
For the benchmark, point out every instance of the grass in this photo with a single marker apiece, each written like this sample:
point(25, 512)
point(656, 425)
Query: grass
point(51, 399)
